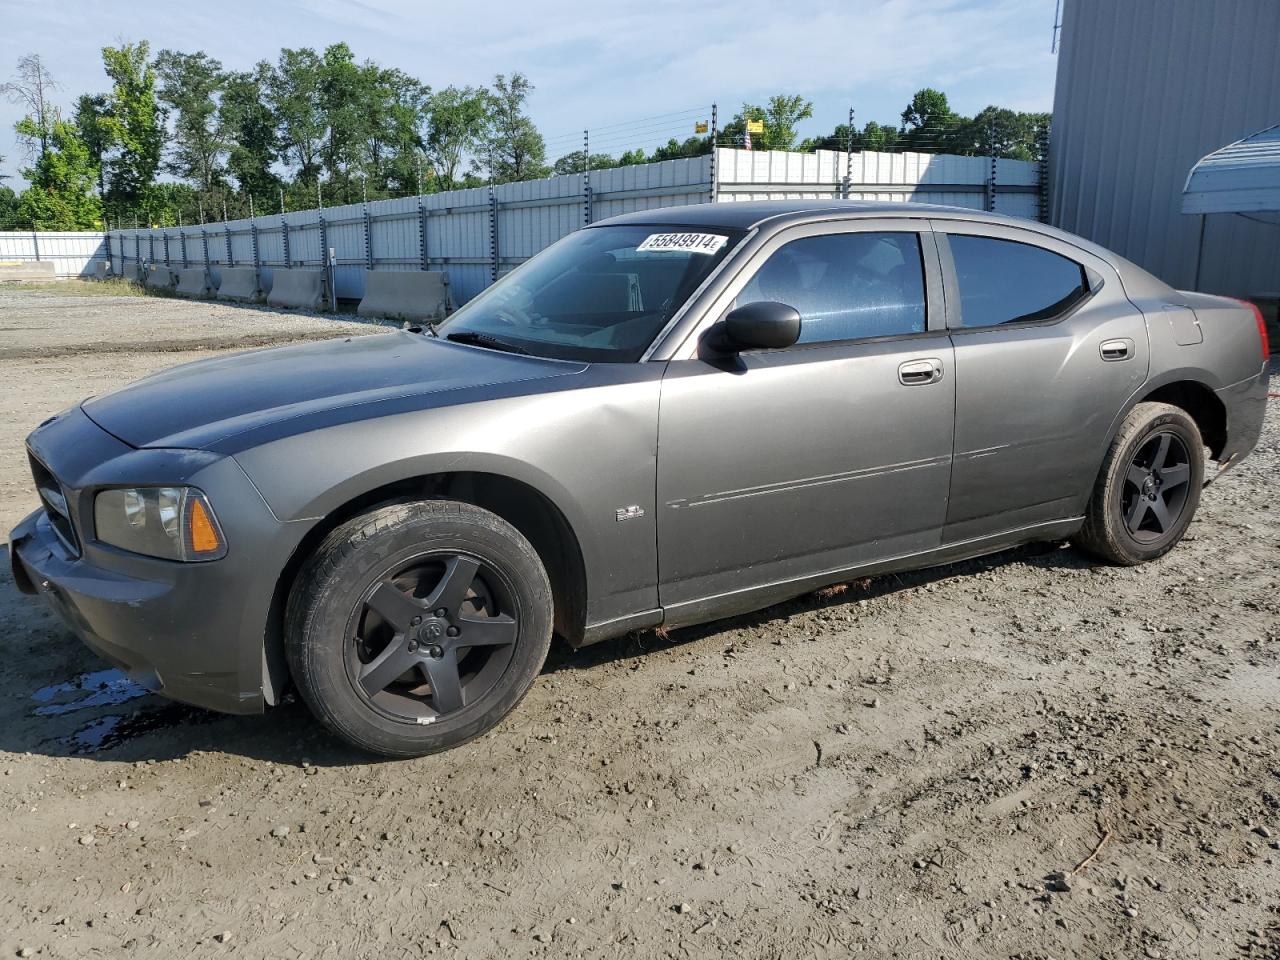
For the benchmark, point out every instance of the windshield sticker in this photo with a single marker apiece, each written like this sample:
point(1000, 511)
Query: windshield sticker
point(682, 243)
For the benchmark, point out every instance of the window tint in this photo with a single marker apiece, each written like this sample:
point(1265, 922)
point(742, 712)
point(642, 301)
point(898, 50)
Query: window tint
point(846, 285)
point(1002, 281)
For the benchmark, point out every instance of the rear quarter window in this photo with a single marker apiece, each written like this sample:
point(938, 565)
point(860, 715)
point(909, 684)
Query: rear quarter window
point(1005, 281)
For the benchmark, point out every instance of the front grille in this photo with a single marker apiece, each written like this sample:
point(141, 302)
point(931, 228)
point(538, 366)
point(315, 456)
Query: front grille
point(55, 505)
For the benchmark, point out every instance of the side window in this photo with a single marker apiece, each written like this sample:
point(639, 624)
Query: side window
point(1003, 281)
point(846, 286)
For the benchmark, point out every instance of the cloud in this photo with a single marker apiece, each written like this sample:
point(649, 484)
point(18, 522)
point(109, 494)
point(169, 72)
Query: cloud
point(598, 64)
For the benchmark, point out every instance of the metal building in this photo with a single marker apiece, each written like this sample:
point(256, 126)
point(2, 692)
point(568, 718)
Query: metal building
point(1145, 88)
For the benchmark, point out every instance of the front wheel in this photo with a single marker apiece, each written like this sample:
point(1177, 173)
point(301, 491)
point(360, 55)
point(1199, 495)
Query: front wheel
point(1148, 489)
point(417, 627)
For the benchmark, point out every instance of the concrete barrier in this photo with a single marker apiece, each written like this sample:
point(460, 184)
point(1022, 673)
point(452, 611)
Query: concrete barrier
point(130, 271)
point(194, 282)
point(101, 269)
point(17, 271)
point(297, 288)
point(405, 294)
point(240, 283)
point(160, 277)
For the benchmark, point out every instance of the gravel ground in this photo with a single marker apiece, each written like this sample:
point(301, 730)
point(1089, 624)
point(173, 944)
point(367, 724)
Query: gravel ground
point(1025, 756)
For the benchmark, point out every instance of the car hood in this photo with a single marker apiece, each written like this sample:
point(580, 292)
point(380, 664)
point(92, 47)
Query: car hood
point(198, 404)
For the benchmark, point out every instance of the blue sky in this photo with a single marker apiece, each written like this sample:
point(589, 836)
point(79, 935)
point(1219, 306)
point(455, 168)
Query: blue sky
point(598, 64)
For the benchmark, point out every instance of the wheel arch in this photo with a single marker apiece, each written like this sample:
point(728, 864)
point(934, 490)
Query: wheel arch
point(516, 501)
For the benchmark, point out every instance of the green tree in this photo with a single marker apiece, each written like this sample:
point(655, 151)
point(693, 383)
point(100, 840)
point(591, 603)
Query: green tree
point(62, 178)
point(247, 125)
point(455, 129)
point(133, 122)
point(1009, 133)
point(515, 149)
point(90, 110)
point(293, 93)
point(32, 88)
point(929, 124)
point(780, 117)
point(8, 208)
point(572, 162)
point(190, 84)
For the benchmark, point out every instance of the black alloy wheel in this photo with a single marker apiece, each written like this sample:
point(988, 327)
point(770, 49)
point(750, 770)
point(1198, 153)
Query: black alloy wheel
point(432, 636)
point(1156, 487)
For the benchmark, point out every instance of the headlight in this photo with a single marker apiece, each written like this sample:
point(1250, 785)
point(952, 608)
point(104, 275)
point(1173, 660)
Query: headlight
point(173, 523)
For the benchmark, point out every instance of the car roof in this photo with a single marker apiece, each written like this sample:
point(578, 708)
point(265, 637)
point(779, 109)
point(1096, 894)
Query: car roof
point(746, 214)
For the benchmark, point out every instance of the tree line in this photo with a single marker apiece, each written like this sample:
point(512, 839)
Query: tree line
point(177, 138)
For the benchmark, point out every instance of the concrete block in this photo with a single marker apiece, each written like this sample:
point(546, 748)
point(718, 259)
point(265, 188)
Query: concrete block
point(240, 283)
point(27, 271)
point(194, 282)
point(160, 277)
point(405, 294)
point(101, 269)
point(130, 271)
point(297, 288)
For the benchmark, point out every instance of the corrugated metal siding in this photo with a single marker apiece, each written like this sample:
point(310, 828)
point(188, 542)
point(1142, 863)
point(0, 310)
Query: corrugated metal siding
point(1244, 175)
point(463, 227)
point(73, 254)
point(1145, 88)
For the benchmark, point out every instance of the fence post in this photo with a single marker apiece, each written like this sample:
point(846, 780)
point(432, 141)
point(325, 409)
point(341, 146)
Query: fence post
point(284, 240)
point(165, 237)
point(35, 244)
point(368, 238)
point(991, 149)
point(714, 134)
point(493, 235)
point(1042, 173)
point(204, 242)
point(848, 158)
point(253, 240)
point(586, 177)
point(231, 260)
point(422, 235)
point(326, 263)
point(182, 242)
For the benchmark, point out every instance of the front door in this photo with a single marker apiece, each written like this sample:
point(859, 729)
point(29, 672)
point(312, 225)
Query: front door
point(786, 465)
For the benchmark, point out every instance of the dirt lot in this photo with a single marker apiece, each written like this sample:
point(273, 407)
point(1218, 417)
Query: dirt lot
point(1025, 756)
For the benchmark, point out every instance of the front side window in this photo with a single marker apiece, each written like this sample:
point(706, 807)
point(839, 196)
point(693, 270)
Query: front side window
point(846, 286)
point(598, 295)
point(1003, 281)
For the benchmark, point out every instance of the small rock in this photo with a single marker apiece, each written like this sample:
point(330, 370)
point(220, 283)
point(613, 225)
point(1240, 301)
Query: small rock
point(131, 825)
point(1058, 882)
point(684, 908)
point(281, 831)
point(1130, 912)
point(222, 937)
point(1263, 832)
point(86, 840)
point(26, 952)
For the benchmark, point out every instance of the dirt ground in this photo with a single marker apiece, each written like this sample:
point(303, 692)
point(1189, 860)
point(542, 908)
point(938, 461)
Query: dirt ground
point(1025, 756)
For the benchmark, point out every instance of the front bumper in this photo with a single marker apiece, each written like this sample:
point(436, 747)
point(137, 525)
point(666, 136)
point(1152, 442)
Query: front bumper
point(191, 631)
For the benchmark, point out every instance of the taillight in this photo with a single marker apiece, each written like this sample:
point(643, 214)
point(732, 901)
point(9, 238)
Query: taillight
point(1262, 329)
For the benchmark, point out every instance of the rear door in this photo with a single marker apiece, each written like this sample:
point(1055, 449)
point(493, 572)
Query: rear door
point(1047, 350)
point(786, 464)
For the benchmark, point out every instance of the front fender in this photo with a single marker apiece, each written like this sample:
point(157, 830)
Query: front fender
point(589, 451)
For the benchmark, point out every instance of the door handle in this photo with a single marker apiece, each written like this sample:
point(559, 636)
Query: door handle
point(917, 373)
point(1119, 349)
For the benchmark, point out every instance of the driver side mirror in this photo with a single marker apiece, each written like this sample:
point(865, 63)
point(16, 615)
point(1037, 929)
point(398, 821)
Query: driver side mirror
point(763, 325)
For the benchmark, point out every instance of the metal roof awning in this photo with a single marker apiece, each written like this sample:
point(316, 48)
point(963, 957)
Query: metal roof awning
point(1241, 177)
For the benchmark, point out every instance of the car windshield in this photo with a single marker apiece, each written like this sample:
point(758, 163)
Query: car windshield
point(599, 295)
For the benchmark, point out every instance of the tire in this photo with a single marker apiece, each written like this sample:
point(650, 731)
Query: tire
point(450, 592)
point(1148, 489)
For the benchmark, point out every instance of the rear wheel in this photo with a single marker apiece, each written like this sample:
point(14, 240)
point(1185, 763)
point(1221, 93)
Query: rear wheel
point(416, 627)
point(1148, 489)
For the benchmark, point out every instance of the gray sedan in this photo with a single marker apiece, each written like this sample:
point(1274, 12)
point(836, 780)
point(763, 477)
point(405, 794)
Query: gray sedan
point(662, 419)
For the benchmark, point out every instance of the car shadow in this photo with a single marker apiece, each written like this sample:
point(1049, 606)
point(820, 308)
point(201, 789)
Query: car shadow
point(60, 700)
